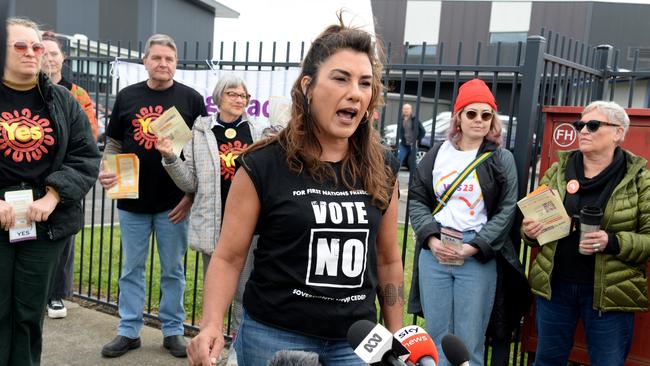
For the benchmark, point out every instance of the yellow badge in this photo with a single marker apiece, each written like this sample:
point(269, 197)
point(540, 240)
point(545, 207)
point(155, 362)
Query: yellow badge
point(230, 133)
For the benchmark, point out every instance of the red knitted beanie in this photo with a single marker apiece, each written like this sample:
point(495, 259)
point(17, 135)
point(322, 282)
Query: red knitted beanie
point(474, 91)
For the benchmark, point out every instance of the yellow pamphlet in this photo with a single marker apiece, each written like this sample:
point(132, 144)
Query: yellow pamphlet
point(545, 205)
point(172, 126)
point(127, 169)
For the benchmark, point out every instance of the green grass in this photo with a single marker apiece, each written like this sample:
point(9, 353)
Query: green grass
point(87, 271)
point(111, 250)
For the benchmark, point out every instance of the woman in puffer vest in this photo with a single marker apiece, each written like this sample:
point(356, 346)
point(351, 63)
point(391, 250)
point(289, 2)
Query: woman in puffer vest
point(600, 279)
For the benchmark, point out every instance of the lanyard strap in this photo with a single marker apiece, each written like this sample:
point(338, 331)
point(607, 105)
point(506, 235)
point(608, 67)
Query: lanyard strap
point(460, 178)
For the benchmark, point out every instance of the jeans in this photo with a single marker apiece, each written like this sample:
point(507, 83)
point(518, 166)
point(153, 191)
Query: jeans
point(256, 343)
point(403, 153)
point(26, 281)
point(458, 300)
point(171, 239)
point(609, 334)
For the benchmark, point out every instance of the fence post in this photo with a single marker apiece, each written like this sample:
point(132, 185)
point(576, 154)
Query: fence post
point(603, 63)
point(528, 105)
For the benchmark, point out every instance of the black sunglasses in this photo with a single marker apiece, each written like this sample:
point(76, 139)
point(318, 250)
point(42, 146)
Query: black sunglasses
point(485, 116)
point(592, 126)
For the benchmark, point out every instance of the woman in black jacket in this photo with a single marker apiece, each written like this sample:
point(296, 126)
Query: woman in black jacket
point(454, 286)
point(48, 152)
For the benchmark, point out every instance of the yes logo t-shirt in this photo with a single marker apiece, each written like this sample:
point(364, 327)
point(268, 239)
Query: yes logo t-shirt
point(315, 264)
point(136, 106)
point(27, 137)
point(232, 138)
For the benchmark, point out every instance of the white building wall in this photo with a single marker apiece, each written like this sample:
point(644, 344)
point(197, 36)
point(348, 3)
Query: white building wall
point(422, 21)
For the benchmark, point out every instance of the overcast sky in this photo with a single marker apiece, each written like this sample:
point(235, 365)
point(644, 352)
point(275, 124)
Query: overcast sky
point(283, 21)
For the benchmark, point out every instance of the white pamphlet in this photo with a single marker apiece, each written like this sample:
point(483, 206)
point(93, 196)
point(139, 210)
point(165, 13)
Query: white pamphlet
point(22, 229)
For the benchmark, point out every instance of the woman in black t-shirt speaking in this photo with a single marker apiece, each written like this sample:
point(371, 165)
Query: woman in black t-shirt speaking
point(48, 155)
point(322, 196)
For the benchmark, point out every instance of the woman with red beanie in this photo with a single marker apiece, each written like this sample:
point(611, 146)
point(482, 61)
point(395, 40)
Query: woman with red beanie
point(462, 204)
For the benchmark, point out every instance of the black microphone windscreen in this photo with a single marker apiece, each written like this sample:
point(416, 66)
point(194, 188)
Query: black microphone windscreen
point(359, 331)
point(294, 358)
point(454, 349)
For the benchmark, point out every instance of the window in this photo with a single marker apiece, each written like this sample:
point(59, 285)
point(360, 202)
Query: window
point(508, 37)
point(414, 54)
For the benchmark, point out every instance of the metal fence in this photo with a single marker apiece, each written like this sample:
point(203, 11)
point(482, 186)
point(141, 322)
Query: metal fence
point(545, 70)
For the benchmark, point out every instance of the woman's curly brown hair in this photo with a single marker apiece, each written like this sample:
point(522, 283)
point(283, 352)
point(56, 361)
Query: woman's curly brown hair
point(365, 158)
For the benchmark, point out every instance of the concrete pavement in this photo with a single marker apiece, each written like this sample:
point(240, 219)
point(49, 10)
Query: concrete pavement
point(78, 340)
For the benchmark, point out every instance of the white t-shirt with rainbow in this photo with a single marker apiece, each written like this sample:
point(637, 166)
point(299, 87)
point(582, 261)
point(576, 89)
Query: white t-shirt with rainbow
point(466, 208)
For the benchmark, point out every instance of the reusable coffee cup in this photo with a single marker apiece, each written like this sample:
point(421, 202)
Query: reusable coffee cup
point(590, 218)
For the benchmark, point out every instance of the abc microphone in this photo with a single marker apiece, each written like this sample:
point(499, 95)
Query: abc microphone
point(455, 350)
point(418, 342)
point(375, 345)
point(294, 358)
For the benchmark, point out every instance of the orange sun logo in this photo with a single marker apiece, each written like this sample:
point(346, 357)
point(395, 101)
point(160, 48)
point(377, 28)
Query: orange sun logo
point(228, 153)
point(142, 133)
point(24, 136)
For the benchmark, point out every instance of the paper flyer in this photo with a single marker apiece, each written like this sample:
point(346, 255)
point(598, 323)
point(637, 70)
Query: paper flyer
point(127, 169)
point(171, 125)
point(454, 239)
point(544, 205)
point(22, 229)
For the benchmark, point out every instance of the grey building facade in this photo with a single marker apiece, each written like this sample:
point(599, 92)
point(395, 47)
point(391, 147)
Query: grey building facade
point(189, 22)
point(625, 26)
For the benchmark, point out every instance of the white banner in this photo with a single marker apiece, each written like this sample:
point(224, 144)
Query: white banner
point(261, 85)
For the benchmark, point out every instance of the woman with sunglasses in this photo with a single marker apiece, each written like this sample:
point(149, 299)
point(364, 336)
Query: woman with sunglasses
point(600, 279)
point(210, 161)
point(469, 183)
point(47, 150)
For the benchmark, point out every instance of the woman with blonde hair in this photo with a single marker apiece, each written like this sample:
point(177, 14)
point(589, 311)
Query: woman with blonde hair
point(48, 153)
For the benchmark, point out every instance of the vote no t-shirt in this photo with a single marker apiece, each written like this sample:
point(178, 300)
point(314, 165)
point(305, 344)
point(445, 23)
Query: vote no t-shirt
point(136, 106)
point(27, 137)
point(315, 264)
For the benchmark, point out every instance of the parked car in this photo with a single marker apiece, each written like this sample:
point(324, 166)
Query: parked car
point(443, 120)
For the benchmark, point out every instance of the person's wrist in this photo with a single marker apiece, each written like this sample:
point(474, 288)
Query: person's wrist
point(169, 158)
point(52, 194)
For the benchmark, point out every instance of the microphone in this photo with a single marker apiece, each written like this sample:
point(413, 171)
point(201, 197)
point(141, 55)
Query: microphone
point(418, 342)
point(294, 358)
point(455, 350)
point(375, 345)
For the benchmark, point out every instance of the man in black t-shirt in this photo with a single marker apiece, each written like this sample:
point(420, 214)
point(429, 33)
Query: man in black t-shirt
point(161, 206)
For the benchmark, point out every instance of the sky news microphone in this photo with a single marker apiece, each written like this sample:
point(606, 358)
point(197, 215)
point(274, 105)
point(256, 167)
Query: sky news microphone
point(455, 350)
point(418, 342)
point(294, 358)
point(376, 345)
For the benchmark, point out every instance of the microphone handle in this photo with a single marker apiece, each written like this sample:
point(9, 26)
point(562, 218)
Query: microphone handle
point(391, 360)
point(426, 361)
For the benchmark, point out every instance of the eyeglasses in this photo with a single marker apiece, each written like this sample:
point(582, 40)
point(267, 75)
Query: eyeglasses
point(485, 116)
point(233, 95)
point(21, 48)
point(592, 126)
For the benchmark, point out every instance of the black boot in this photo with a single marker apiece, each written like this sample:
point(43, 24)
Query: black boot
point(119, 346)
point(176, 345)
